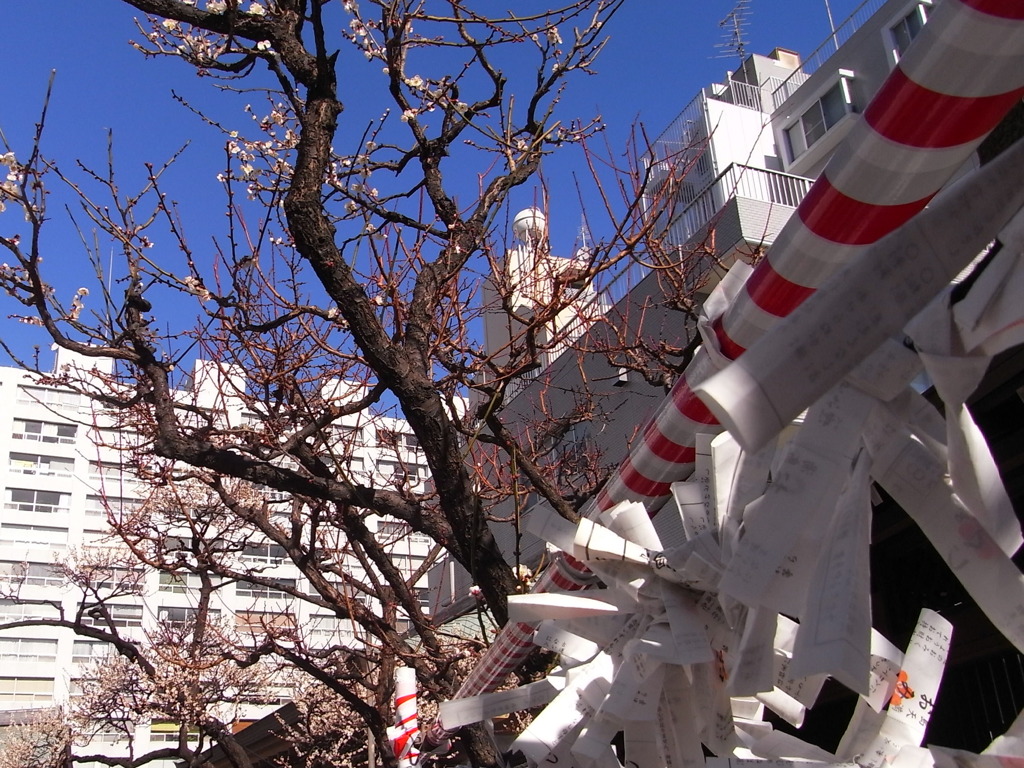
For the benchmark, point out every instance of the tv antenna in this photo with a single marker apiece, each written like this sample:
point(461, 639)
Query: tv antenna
point(734, 26)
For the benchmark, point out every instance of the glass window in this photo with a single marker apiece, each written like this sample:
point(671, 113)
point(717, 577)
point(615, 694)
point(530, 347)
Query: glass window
point(44, 535)
point(393, 529)
point(167, 730)
point(120, 615)
point(117, 506)
point(86, 651)
point(33, 574)
point(271, 554)
point(30, 500)
point(262, 621)
point(907, 28)
point(179, 583)
point(47, 396)
point(26, 689)
point(12, 610)
point(26, 649)
point(246, 589)
point(44, 431)
point(815, 122)
point(35, 464)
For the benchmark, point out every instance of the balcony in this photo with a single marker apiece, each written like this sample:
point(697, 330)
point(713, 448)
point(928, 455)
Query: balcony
point(771, 189)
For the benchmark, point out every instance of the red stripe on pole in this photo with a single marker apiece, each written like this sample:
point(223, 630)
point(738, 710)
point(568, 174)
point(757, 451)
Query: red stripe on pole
point(773, 293)
point(667, 449)
point(638, 483)
point(402, 699)
point(691, 406)
point(726, 345)
point(830, 214)
point(1007, 9)
point(409, 719)
point(910, 114)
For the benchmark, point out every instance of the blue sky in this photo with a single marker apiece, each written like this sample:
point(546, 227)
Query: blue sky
point(660, 53)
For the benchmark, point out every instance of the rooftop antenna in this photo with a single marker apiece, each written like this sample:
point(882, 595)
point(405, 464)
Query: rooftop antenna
point(584, 233)
point(734, 25)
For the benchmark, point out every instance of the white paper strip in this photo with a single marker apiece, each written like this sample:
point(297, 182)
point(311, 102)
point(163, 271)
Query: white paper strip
point(835, 631)
point(530, 609)
point(911, 704)
point(459, 712)
point(555, 638)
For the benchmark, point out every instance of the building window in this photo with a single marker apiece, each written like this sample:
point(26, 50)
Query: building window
point(44, 431)
point(183, 617)
point(41, 535)
point(179, 583)
point(259, 622)
point(345, 435)
point(816, 121)
point(120, 615)
point(55, 397)
point(401, 472)
point(902, 33)
point(393, 529)
point(117, 506)
point(30, 574)
point(29, 500)
point(167, 730)
point(87, 651)
point(118, 579)
point(246, 589)
point(36, 464)
point(26, 689)
point(106, 471)
point(28, 649)
point(271, 554)
point(12, 610)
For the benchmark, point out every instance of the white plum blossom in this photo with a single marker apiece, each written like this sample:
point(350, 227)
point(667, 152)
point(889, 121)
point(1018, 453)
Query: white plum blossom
point(414, 82)
point(257, 10)
point(553, 37)
point(216, 6)
point(169, 24)
point(263, 45)
point(408, 115)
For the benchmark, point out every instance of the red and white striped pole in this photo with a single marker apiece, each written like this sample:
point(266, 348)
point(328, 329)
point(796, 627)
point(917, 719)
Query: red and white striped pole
point(407, 728)
point(954, 84)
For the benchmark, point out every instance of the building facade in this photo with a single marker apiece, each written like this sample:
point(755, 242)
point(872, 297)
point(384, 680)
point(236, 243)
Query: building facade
point(64, 483)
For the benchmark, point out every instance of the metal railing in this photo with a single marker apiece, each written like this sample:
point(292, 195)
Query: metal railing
point(738, 181)
point(823, 52)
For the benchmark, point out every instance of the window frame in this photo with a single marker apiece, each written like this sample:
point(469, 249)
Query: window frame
point(922, 9)
point(796, 127)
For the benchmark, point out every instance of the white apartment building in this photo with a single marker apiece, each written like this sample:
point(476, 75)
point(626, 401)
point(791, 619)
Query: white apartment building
point(60, 479)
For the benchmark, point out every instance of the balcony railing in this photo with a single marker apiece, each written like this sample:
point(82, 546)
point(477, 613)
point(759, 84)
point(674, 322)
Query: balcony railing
point(738, 181)
point(785, 88)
